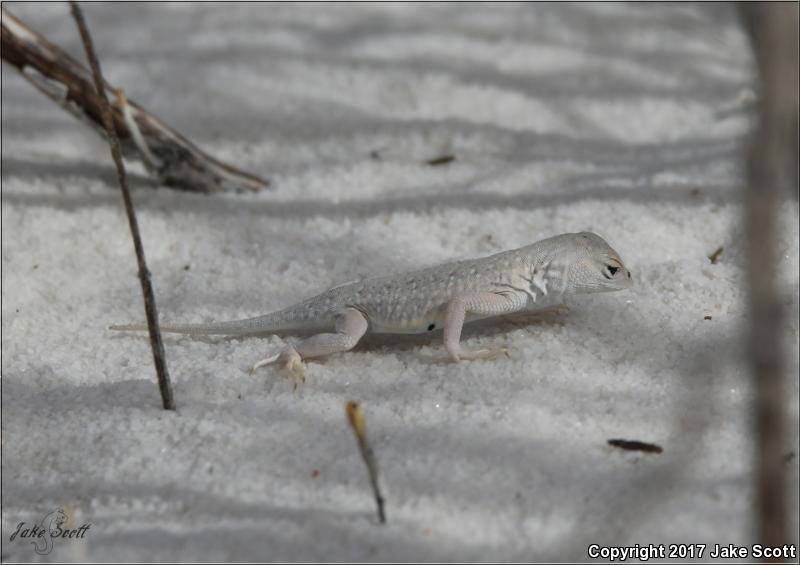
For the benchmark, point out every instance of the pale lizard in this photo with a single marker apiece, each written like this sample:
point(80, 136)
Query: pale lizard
point(444, 296)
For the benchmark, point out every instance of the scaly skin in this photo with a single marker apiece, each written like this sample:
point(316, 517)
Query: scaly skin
point(445, 296)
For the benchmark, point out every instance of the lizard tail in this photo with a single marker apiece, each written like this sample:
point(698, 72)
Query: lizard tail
point(223, 328)
point(278, 322)
point(237, 327)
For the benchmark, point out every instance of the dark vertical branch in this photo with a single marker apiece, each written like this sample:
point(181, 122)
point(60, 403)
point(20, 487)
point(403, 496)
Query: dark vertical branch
point(772, 167)
point(144, 275)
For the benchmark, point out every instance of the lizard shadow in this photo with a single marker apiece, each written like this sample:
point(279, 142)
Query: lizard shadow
point(489, 327)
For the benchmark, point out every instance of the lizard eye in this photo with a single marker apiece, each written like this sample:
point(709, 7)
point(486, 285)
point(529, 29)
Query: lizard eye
point(610, 271)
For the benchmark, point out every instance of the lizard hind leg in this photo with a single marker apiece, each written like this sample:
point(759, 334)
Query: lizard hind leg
point(351, 325)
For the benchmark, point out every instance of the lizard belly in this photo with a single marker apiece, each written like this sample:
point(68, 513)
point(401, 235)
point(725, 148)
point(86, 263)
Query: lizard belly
point(417, 325)
point(430, 322)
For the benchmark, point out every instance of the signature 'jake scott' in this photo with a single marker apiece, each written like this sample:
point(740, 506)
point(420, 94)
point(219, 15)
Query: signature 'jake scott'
point(37, 531)
point(42, 534)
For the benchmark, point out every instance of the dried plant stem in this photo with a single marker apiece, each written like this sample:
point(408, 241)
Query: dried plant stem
point(356, 418)
point(171, 159)
point(144, 275)
point(772, 167)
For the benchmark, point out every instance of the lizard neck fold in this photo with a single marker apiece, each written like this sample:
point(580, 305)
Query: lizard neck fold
point(544, 277)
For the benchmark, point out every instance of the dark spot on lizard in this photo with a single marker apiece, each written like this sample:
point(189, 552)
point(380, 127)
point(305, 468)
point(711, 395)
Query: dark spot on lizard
point(431, 327)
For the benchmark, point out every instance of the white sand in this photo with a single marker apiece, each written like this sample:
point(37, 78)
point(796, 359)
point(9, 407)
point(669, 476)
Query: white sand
point(625, 120)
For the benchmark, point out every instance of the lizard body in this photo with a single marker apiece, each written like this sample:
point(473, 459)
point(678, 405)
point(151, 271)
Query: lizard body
point(444, 296)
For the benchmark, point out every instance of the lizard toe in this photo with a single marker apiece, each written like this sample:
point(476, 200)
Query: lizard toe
point(484, 354)
point(264, 362)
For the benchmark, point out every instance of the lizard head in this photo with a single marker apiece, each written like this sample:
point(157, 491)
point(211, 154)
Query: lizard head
point(596, 267)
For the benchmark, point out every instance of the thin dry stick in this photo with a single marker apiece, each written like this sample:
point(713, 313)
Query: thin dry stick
point(171, 159)
point(144, 275)
point(356, 418)
point(772, 166)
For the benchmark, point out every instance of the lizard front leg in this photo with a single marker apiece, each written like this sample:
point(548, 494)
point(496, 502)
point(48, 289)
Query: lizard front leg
point(481, 303)
point(351, 325)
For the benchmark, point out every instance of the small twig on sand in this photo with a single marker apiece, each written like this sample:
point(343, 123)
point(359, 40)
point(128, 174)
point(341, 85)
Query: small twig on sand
point(443, 160)
point(144, 275)
point(714, 257)
point(170, 158)
point(636, 445)
point(356, 419)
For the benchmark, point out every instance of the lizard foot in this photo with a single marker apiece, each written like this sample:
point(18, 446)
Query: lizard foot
point(480, 354)
point(290, 360)
point(263, 362)
point(293, 363)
